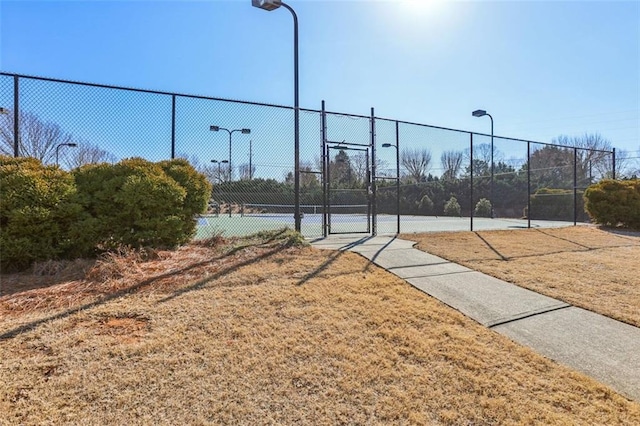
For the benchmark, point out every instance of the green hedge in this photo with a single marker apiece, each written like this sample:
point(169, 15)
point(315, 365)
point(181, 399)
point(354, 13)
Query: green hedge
point(614, 203)
point(197, 187)
point(47, 213)
point(556, 204)
point(38, 210)
point(131, 203)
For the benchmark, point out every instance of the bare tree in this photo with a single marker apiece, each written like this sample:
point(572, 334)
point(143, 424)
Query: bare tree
point(245, 172)
point(38, 139)
point(359, 166)
point(482, 156)
point(86, 153)
point(451, 164)
point(416, 162)
point(593, 154)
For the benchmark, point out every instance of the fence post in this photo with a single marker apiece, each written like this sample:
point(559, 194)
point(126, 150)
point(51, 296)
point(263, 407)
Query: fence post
point(374, 210)
point(613, 153)
point(173, 126)
point(528, 185)
point(575, 186)
point(16, 116)
point(398, 172)
point(471, 181)
point(323, 146)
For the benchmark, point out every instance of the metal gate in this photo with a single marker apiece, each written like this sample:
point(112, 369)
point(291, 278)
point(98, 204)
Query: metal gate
point(348, 192)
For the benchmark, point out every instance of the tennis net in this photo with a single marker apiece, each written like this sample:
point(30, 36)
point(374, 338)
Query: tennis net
point(306, 209)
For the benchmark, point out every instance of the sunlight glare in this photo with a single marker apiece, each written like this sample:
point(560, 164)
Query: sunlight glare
point(420, 6)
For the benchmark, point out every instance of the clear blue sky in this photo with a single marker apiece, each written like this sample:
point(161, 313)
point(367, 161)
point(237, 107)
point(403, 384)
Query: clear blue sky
point(541, 68)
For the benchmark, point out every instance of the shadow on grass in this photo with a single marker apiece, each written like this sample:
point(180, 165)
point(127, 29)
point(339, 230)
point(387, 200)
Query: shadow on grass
point(627, 234)
point(492, 248)
point(132, 289)
point(339, 252)
point(580, 247)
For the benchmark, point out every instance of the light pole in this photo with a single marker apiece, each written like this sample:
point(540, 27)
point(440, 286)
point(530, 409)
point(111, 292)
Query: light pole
point(218, 128)
point(389, 145)
point(482, 113)
point(272, 5)
point(219, 162)
point(250, 159)
point(70, 144)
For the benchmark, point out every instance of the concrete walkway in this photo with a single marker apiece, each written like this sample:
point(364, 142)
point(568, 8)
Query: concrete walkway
point(603, 348)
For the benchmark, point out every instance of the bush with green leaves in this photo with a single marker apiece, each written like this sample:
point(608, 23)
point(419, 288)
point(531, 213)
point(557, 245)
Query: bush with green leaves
point(425, 205)
point(38, 213)
point(614, 203)
point(197, 187)
point(452, 207)
point(135, 203)
point(483, 208)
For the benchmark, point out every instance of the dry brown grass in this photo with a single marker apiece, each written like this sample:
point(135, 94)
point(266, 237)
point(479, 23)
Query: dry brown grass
point(595, 269)
point(266, 333)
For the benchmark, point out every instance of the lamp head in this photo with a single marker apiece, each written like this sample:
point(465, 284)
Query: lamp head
point(224, 161)
point(387, 145)
point(246, 131)
point(266, 4)
point(479, 113)
point(72, 144)
point(214, 128)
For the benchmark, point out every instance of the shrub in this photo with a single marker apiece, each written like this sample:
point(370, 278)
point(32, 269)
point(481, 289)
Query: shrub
point(452, 207)
point(483, 208)
point(614, 203)
point(38, 210)
point(425, 205)
point(132, 203)
point(556, 204)
point(197, 187)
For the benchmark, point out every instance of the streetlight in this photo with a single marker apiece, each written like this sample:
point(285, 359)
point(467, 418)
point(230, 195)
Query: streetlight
point(218, 128)
point(482, 113)
point(272, 5)
point(389, 145)
point(219, 162)
point(70, 144)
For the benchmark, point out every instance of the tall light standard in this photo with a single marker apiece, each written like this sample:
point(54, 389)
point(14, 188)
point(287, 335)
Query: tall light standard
point(272, 5)
point(217, 129)
point(219, 162)
point(389, 145)
point(482, 113)
point(69, 144)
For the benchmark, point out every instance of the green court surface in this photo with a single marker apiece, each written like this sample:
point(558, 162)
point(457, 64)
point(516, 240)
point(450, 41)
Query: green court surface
point(238, 225)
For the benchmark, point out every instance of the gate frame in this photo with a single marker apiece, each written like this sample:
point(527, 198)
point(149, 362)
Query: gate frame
point(370, 178)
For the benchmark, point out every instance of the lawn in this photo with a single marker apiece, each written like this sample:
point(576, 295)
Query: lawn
point(595, 269)
point(266, 331)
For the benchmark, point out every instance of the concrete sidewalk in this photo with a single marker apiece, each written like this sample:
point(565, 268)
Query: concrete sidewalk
point(603, 348)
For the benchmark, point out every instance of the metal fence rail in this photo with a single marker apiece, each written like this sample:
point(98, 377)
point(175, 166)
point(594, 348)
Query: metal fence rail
point(411, 176)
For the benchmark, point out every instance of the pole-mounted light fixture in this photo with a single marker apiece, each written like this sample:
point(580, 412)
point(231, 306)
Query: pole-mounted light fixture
point(230, 132)
point(482, 113)
point(69, 144)
point(389, 145)
point(272, 5)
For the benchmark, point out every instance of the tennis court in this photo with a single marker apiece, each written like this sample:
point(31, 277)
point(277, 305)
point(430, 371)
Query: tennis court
point(357, 221)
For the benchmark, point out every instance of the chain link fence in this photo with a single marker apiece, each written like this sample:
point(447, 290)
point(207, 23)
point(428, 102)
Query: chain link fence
point(358, 173)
